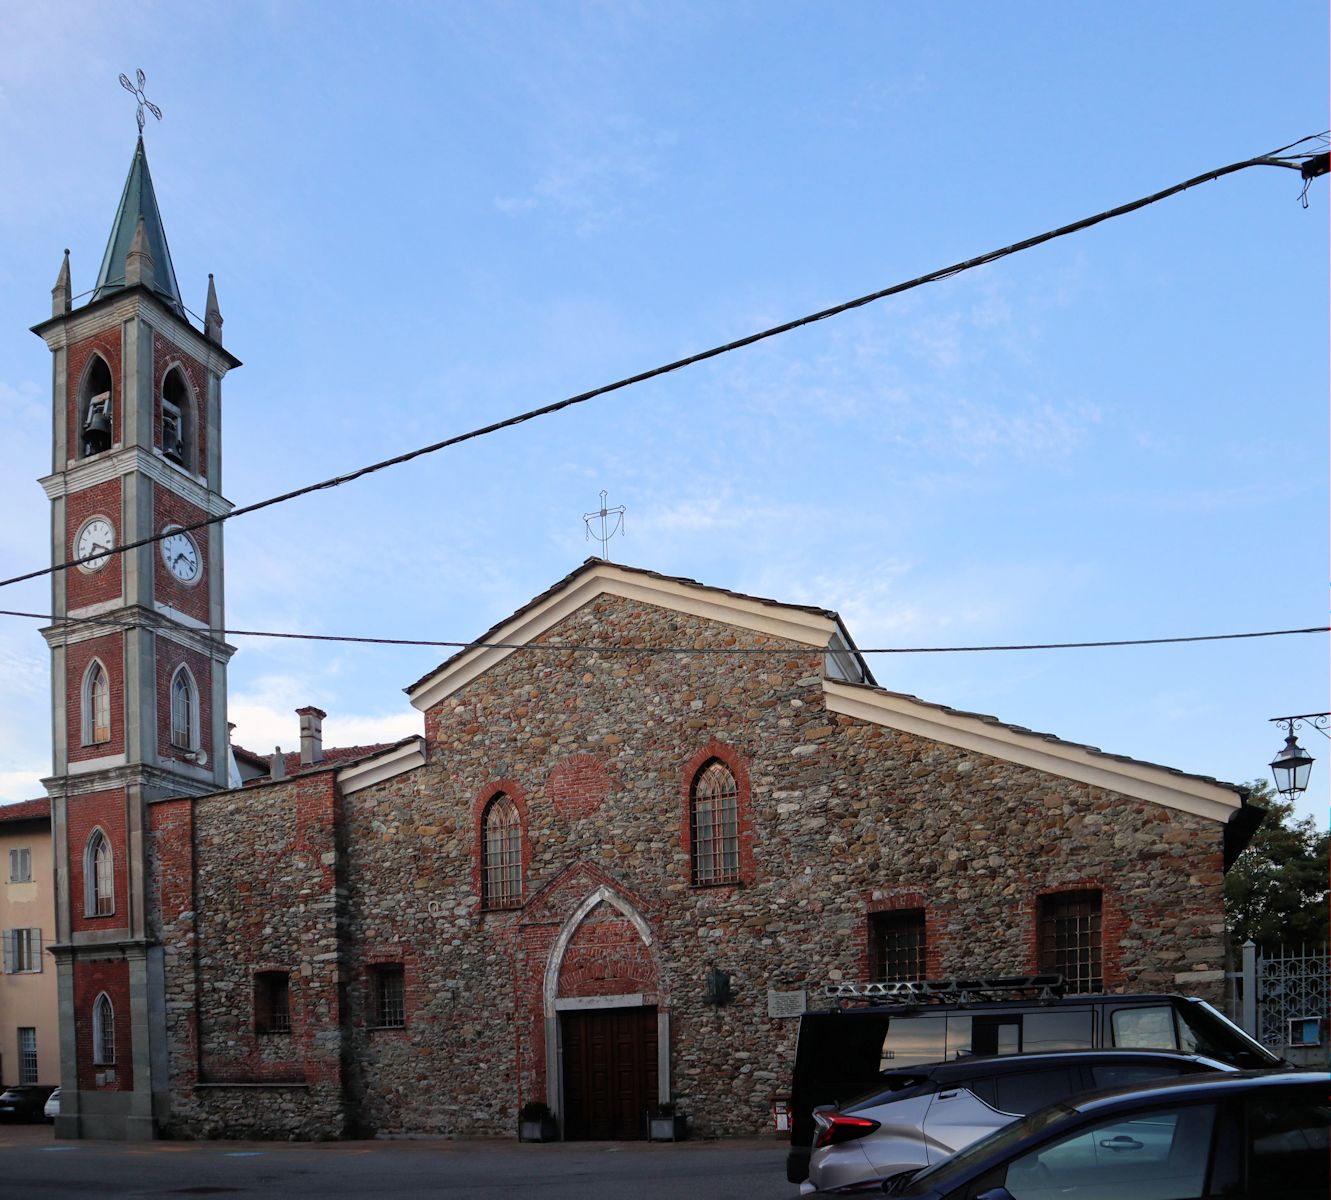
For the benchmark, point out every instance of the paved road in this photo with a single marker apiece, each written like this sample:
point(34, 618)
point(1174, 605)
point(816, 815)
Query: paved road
point(36, 1165)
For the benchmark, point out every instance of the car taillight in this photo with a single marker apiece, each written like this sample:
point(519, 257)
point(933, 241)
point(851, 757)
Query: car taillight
point(834, 1127)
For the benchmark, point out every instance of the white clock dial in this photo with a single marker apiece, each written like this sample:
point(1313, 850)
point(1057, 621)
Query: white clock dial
point(181, 556)
point(94, 540)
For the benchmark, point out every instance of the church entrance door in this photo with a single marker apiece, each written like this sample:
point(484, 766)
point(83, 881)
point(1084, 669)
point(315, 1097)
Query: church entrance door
point(610, 1073)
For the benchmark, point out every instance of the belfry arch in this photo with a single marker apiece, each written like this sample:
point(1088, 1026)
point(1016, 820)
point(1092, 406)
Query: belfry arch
point(602, 966)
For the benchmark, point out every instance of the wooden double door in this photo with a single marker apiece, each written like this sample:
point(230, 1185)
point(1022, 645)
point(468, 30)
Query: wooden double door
point(610, 1072)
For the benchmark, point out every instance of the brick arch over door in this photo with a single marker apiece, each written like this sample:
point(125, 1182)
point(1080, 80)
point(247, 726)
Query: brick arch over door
point(603, 959)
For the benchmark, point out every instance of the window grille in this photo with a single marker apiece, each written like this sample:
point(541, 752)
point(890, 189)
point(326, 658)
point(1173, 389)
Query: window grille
point(20, 864)
point(99, 877)
point(27, 1055)
point(103, 1032)
point(714, 825)
point(897, 946)
point(390, 1001)
point(96, 706)
point(1069, 936)
point(184, 710)
point(501, 841)
point(272, 1002)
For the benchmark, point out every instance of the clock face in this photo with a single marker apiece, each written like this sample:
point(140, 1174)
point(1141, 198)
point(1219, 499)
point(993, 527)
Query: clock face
point(94, 540)
point(181, 556)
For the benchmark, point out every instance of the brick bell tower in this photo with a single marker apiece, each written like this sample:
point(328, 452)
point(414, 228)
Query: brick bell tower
point(139, 673)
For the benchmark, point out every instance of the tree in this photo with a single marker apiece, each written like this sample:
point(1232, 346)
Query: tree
point(1276, 892)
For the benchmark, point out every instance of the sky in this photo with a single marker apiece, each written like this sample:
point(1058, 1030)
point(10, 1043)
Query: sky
point(424, 218)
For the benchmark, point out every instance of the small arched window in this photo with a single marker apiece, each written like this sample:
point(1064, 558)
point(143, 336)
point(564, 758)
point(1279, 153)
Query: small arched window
point(99, 896)
point(103, 1032)
point(94, 412)
point(96, 705)
point(177, 419)
point(184, 711)
point(714, 824)
point(501, 854)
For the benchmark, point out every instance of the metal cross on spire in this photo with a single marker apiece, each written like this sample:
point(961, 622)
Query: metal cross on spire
point(144, 102)
point(606, 533)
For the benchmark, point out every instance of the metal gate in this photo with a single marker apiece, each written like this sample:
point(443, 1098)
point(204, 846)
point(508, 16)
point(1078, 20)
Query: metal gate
point(1284, 999)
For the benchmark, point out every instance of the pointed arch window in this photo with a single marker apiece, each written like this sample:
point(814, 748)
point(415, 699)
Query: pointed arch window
point(184, 710)
point(94, 412)
point(177, 431)
point(714, 824)
point(501, 854)
point(103, 1032)
point(96, 705)
point(99, 897)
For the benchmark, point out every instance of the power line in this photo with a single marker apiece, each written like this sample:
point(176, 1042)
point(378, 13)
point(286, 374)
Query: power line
point(1276, 158)
point(66, 623)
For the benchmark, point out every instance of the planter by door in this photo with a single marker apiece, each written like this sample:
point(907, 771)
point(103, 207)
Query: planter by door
point(543, 1129)
point(668, 1129)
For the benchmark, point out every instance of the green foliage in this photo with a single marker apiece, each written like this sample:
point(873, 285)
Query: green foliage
point(1276, 893)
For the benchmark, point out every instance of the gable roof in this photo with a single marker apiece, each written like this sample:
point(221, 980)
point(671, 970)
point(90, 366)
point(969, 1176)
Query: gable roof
point(818, 628)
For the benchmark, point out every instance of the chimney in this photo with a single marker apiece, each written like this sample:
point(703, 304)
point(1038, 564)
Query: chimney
point(311, 735)
point(277, 765)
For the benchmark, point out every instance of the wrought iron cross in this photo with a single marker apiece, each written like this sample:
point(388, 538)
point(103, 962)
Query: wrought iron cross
point(144, 102)
point(606, 534)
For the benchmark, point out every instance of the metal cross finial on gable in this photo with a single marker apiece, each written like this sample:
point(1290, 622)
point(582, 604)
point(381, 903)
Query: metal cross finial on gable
point(143, 100)
point(606, 534)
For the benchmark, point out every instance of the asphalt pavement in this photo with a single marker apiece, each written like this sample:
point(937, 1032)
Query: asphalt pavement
point(37, 1165)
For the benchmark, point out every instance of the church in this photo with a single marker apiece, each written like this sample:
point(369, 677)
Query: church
point(647, 821)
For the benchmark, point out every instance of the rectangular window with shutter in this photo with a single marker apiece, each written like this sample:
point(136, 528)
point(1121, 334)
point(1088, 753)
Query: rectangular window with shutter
point(22, 951)
point(20, 864)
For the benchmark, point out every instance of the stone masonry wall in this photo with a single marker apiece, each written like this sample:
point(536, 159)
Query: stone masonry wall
point(265, 897)
point(842, 818)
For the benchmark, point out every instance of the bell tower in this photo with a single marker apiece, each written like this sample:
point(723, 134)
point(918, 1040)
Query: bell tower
point(137, 660)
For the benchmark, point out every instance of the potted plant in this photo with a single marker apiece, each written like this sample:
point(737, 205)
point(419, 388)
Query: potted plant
point(667, 1124)
point(536, 1123)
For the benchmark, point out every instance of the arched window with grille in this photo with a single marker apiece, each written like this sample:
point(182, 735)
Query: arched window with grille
point(99, 898)
point(103, 1032)
point(96, 706)
point(501, 854)
point(184, 711)
point(714, 825)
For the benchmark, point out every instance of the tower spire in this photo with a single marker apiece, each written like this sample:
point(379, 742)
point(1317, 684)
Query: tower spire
point(138, 204)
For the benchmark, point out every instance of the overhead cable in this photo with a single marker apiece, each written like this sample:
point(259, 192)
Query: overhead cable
point(1277, 158)
point(110, 622)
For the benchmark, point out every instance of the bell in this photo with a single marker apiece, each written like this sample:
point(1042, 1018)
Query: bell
point(97, 433)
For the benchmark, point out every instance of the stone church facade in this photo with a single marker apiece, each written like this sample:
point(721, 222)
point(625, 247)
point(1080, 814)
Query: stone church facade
point(646, 821)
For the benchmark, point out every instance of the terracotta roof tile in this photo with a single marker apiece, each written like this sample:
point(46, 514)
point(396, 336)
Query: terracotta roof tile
point(27, 810)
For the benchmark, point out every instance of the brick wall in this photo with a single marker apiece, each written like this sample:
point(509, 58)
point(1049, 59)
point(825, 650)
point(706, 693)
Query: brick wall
point(189, 598)
point(171, 656)
point(167, 355)
point(85, 587)
point(110, 652)
point(92, 978)
point(105, 811)
point(108, 345)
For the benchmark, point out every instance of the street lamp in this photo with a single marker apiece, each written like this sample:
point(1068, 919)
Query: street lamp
point(1293, 764)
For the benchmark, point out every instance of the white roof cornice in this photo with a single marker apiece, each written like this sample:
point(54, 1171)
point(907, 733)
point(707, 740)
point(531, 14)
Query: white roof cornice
point(397, 760)
point(1145, 781)
point(803, 626)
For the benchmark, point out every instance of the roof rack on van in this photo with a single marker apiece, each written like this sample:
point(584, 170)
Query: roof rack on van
point(956, 990)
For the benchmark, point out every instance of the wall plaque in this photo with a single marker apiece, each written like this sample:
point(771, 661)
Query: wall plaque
point(785, 1004)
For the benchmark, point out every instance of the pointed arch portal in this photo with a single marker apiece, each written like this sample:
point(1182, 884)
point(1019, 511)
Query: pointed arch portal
point(607, 1037)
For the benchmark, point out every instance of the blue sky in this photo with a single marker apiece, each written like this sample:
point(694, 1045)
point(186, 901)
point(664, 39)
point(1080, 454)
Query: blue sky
point(424, 217)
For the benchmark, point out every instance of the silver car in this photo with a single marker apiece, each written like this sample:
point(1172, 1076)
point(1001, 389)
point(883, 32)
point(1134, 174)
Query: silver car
point(923, 1114)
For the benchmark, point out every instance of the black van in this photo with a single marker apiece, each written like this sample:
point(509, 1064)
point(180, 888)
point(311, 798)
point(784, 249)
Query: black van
point(843, 1051)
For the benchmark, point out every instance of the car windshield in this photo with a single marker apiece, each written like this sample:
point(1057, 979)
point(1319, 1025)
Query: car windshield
point(942, 1175)
point(1203, 1030)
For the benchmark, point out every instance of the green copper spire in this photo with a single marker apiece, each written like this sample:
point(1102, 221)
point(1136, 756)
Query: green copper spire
point(138, 202)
